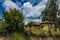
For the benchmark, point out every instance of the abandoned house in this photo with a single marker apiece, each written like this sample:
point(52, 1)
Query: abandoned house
point(44, 25)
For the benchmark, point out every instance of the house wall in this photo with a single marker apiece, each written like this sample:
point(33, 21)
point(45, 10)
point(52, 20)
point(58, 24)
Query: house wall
point(51, 25)
point(46, 26)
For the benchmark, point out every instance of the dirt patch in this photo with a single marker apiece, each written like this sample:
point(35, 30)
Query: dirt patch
point(3, 38)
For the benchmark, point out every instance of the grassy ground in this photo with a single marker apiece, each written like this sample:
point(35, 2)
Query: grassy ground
point(34, 30)
point(2, 25)
point(17, 36)
point(39, 31)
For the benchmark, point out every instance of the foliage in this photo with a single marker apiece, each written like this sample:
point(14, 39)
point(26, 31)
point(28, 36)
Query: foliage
point(17, 36)
point(59, 12)
point(59, 18)
point(50, 12)
point(30, 24)
point(14, 19)
point(37, 31)
point(59, 27)
point(41, 26)
point(50, 32)
point(27, 28)
point(1, 26)
point(3, 32)
point(54, 32)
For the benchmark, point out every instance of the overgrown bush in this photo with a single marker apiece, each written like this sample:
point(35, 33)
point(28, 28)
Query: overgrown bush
point(17, 36)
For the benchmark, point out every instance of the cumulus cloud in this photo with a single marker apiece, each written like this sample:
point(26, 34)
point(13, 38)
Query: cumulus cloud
point(28, 4)
point(8, 4)
point(28, 9)
point(34, 11)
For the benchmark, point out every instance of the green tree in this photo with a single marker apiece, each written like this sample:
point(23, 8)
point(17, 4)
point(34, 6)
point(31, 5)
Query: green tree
point(14, 18)
point(59, 19)
point(50, 12)
point(30, 24)
point(17, 36)
point(59, 12)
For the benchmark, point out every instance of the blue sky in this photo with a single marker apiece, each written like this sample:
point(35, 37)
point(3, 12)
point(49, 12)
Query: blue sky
point(31, 8)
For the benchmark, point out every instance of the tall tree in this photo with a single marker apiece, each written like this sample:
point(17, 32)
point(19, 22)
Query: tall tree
point(59, 18)
point(14, 18)
point(50, 12)
point(30, 24)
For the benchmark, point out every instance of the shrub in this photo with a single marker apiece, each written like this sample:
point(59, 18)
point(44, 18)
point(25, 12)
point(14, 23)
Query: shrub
point(17, 36)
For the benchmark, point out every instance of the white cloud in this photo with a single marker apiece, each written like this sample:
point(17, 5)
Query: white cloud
point(8, 4)
point(28, 4)
point(28, 9)
point(33, 11)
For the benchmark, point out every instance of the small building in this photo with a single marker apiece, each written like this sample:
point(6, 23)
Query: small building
point(47, 24)
point(44, 25)
point(35, 24)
